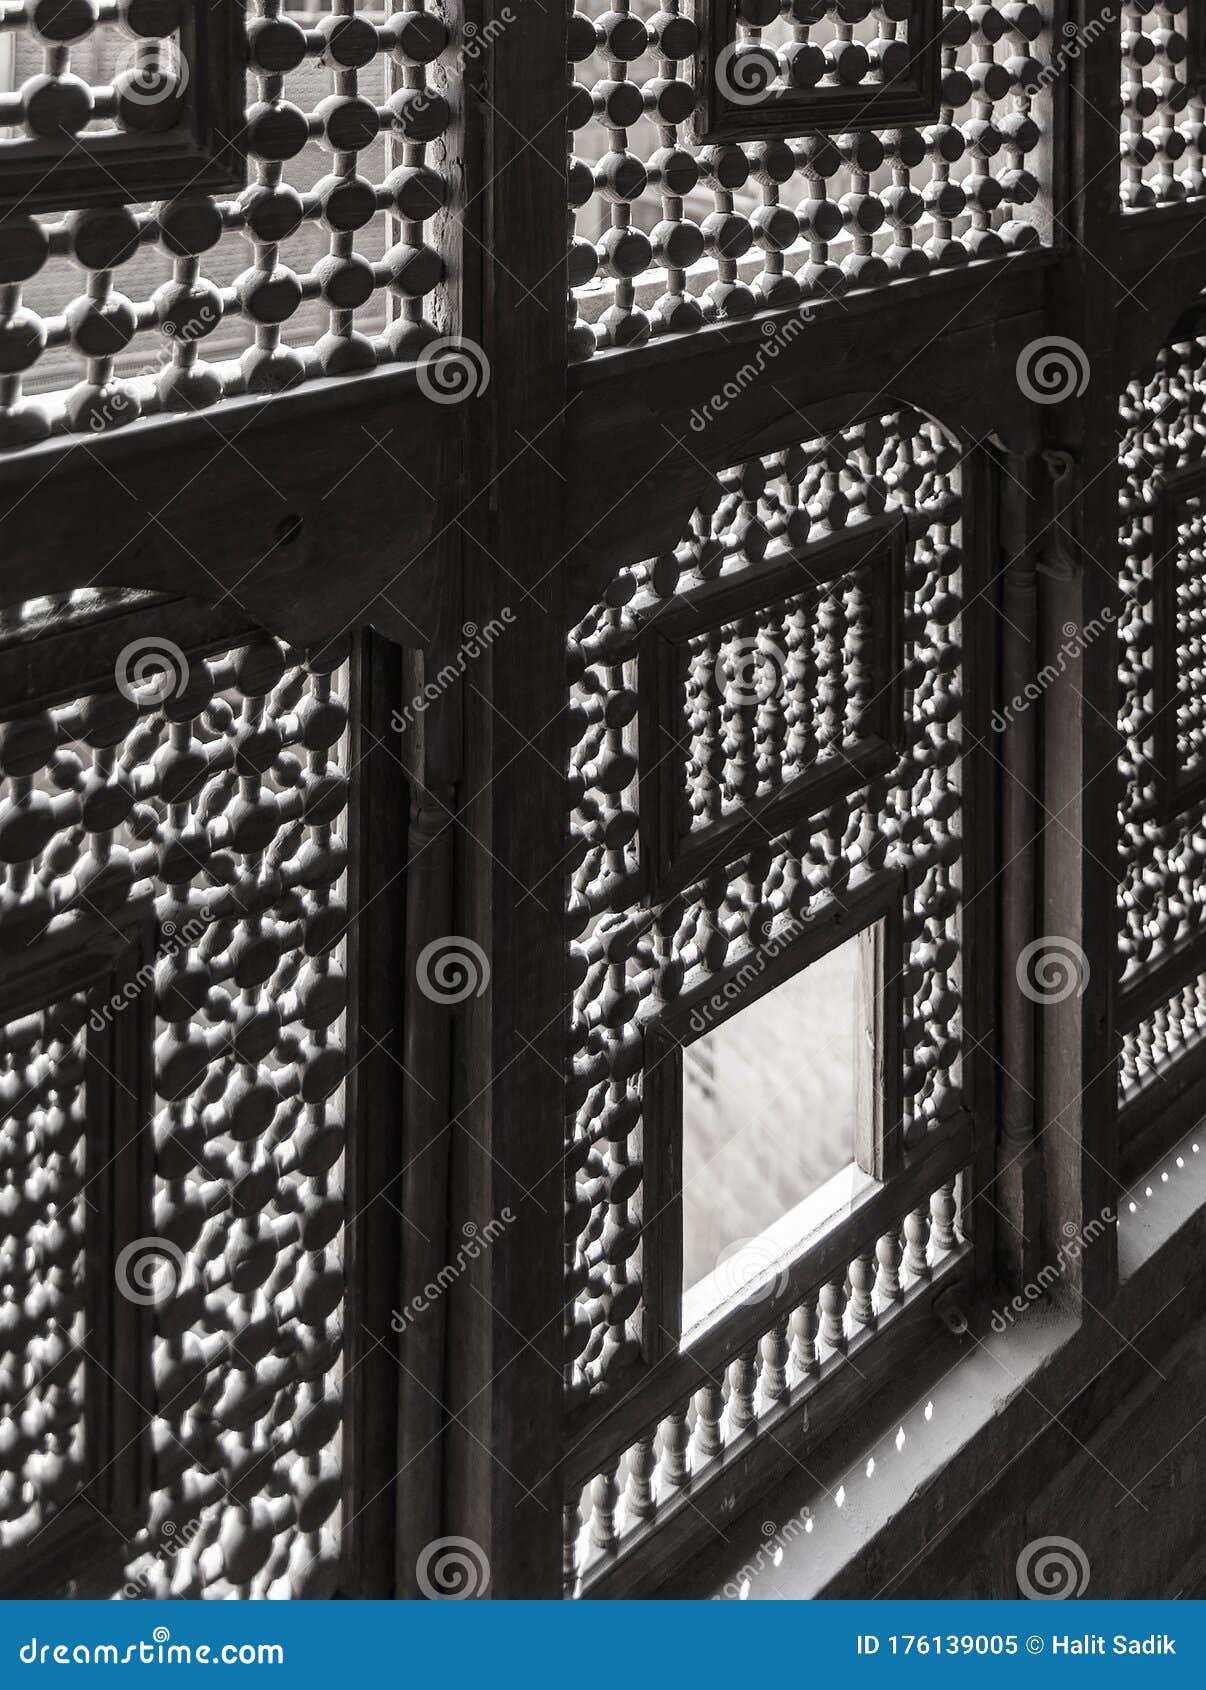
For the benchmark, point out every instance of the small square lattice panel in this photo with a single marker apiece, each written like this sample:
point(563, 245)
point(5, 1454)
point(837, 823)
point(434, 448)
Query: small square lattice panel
point(732, 760)
point(170, 119)
point(787, 67)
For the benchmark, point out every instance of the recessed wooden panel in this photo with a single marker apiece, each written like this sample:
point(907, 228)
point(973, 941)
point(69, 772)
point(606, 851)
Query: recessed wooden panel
point(169, 118)
point(76, 1025)
point(827, 69)
point(797, 671)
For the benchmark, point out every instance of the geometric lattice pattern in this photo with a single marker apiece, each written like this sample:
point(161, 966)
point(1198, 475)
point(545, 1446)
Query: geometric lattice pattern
point(1188, 617)
point(1163, 115)
point(64, 98)
point(670, 233)
point(319, 267)
point(633, 953)
point(212, 809)
point(42, 1167)
point(1162, 896)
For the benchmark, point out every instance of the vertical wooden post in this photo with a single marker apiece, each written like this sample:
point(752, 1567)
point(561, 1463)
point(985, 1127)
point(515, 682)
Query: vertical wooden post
point(375, 1247)
point(1077, 1054)
point(1018, 1166)
point(504, 1384)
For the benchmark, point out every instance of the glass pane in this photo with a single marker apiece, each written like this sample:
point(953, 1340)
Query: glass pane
point(770, 1099)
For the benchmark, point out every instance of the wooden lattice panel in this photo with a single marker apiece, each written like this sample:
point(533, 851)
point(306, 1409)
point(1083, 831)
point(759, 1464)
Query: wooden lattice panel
point(45, 1165)
point(167, 120)
point(1170, 1030)
point(670, 233)
point(1163, 115)
point(1161, 897)
point(212, 811)
point(639, 945)
point(321, 266)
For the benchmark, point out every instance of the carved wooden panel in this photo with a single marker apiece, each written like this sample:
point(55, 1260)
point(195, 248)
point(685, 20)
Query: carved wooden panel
point(781, 861)
point(670, 233)
point(202, 793)
point(320, 266)
point(785, 67)
point(170, 120)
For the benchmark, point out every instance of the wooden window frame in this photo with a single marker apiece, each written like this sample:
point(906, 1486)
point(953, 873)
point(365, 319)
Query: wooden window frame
point(871, 918)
